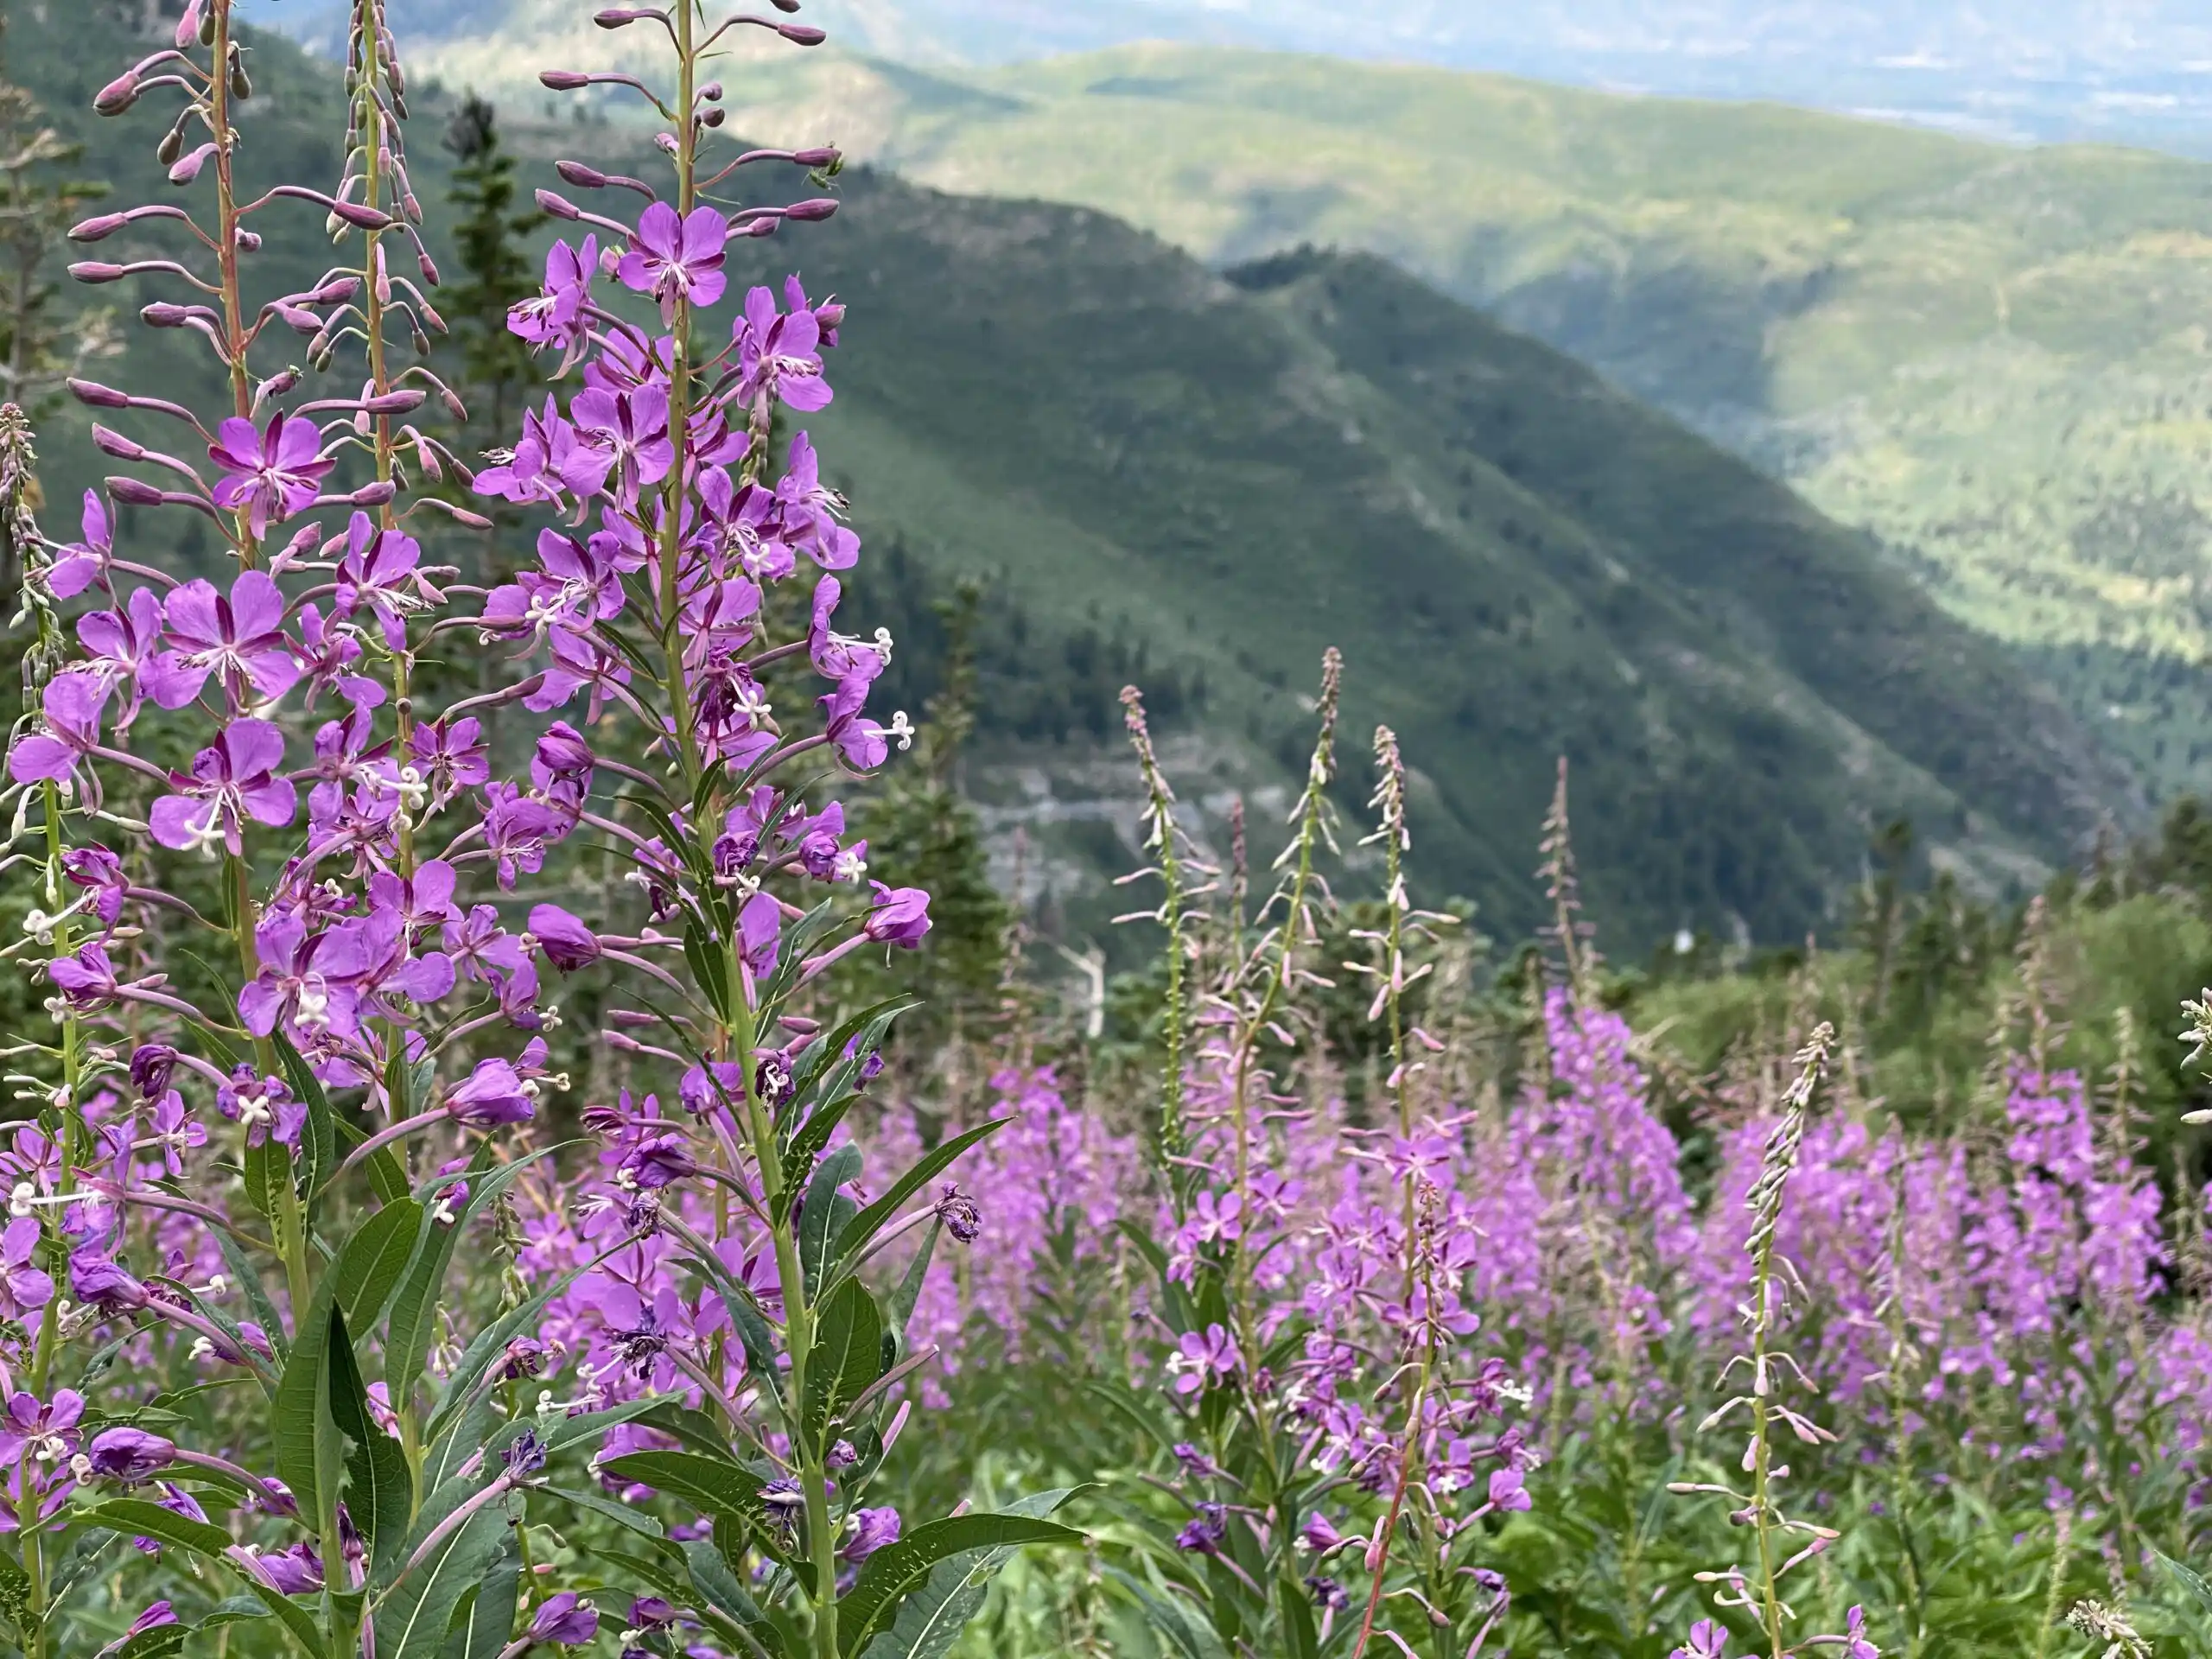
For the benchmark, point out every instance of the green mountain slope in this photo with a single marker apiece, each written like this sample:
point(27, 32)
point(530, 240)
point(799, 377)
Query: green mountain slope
point(1155, 470)
point(1994, 360)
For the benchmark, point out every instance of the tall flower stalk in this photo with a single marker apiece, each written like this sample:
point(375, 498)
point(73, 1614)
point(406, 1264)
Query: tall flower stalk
point(255, 1159)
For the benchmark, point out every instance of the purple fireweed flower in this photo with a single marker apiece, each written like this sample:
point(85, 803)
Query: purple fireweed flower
point(555, 316)
point(101, 871)
point(671, 258)
point(1708, 1640)
point(631, 429)
point(233, 781)
point(900, 915)
point(28, 1287)
point(46, 1430)
point(779, 354)
point(292, 1572)
point(869, 1531)
point(80, 564)
point(239, 639)
point(1856, 1646)
point(566, 1619)
point(130, 1455)
point(265, 1106)
point(1318, 1534)
point(816, 511)
point(157, 1615)
point(550, 461)
point(1327, 1593)
point(271, 474)
point(121, 644)
point(1507, 1491)
point(494, 1094)
point(72, 704)
point(566, 943)
point(376, 574)
point(1206, 1531)
point(1202, 1358)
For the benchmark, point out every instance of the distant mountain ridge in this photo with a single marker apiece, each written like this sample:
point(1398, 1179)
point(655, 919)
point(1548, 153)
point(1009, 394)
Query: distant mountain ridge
point(1227, 474)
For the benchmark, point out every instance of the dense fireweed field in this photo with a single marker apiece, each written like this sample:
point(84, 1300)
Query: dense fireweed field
point(348, 1313)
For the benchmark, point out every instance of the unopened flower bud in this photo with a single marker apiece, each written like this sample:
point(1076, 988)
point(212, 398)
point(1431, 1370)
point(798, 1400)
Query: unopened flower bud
point(118, 94)
point(95, 271)
point(360, 217)
point(188, 170)
point(171, 147)
point(801, 34)
point(97, 228)
point(827, 156)
point(584, 178)
point(819, 207)
point(398, 402)
point(562, 81)
point(374, 495)
point(249, 241)
point(110, 442)
point(558, 206)
point(163, 314)
point(96, 396)
point(134, 491)
point(712, 92)
point(712, 119)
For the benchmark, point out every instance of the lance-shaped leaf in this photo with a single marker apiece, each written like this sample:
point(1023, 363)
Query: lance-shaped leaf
point(416, 1610)
point(899, 1570)
point(848, 1357)
point(929, 1620)
point(136, 1517)
point(380, 1488)
point(870, 1222)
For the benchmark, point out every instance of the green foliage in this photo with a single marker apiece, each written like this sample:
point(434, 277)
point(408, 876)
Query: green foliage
point(496, 269)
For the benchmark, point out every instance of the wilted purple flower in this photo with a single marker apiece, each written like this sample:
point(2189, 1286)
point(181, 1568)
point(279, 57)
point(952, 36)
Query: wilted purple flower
point(1206, 1530)
point(869, 1530)
point(900, 915)
point(658, 1159)
point(130, 1455)
point(494, 1094)
point(1327, 1593)
point(96, 1279)
point(960, 1214)
point(271, 474)
point(526, 1455)
point(292, 1572)
point(673, 258)
point(566, 943)
point(566, 1619)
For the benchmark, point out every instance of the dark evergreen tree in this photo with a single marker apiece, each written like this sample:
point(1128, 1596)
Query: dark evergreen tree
point(496, 271)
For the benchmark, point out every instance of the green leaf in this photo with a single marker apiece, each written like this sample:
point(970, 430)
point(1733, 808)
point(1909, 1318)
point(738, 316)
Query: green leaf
point(318, 1145)
point(310, 1451)
point(157, 1643)
point(910, 1285)
point(847, 1358)
point(248, 1277)
point(898, 1570)
point(415, 1308)
point(266, 1167)
point(489, 1342)
point(870, 1220)
point(380, 1488)
point(16, 1594)
point(2190, 1580)
point(716, 1486)
point(711, 1572)
point(374, 1259)
point(628, 1516)
point(931, 1619)
point(1190, 1637)
point(709, 961)
point(1297, 1611)
point(481, 1629)
point(820, 1210)
point(414, 1614)
point(137, 1517)
point(674, 1588)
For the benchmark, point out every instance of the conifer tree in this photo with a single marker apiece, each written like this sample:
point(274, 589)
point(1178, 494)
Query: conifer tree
point(496, 271)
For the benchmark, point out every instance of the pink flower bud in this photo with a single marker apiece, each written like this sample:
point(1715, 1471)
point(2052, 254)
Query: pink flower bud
point(367, 218)
point(801, 34)
point(558, 206)
point(805, 212)
point(827, 156)
point(118, 94)
point(188, 169)
point(585, 178)
point(423, 264)
point(96, 396)
point(249, 241)
point(97, 228)
point(163, 314)
point(562, 81)
point(336, 290)
point(396, 403)
point(374, 495)
point(134, 491)
point(111, 442)
point(92, 270)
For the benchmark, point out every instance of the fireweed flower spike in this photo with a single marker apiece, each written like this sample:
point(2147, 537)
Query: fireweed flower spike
point(260, 1167)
